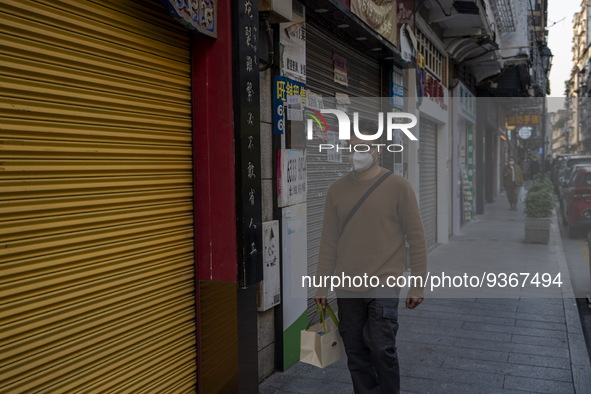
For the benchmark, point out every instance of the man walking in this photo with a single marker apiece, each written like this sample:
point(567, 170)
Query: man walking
point(512, 180)
point(371, 241)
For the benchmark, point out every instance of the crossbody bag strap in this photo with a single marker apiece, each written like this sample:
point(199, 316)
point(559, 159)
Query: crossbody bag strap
point(363, 198)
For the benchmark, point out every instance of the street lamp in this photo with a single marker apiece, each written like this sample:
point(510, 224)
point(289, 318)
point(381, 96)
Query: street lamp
point(546, 56)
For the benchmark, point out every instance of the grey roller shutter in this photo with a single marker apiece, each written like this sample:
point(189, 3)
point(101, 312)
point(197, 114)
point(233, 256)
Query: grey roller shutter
point(364, 76)
point(428, 179)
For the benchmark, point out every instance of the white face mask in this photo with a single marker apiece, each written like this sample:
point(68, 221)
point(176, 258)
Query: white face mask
point(511, 162)
point(361, 161)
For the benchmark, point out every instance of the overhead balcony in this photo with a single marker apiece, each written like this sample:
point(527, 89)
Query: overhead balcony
point(486, 35)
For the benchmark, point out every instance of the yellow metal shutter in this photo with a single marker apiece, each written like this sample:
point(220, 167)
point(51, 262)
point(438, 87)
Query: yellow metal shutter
point(96, 198)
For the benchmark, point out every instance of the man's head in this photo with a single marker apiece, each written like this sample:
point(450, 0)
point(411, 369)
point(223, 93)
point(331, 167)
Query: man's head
point(511, 160)
point(364, 154)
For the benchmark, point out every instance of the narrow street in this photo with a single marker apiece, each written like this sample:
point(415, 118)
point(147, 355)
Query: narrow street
point(481, 345)
point(173, 171)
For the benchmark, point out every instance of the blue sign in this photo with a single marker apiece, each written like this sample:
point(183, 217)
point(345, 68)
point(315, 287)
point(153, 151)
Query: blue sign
point(283, 87)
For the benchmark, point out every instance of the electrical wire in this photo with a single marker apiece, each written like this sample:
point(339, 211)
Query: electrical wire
point(264, 65)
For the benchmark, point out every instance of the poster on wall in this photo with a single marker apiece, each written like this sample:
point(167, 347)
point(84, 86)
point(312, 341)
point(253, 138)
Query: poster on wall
point(333, 155)
point(379, 15)
point(292, 44)
point(269, 293)
point(339, 64)
point(292, 179)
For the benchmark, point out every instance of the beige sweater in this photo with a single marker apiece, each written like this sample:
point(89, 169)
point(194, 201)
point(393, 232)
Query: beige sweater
point(373, 241)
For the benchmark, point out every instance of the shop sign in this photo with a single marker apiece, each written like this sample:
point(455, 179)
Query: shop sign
point(198, 15)
point(435, 90)
point(524, 132)
point(406, 25)
point(282, 89)
point(379, 15)
point(396, 90)
point(523, 120)
point(408, 44)
point(292, 182)
point(467, 102)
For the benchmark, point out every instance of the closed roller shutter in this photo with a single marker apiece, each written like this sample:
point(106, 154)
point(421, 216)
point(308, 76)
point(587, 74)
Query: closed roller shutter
point(428, 179)
point(364, 81)
point(96, 218)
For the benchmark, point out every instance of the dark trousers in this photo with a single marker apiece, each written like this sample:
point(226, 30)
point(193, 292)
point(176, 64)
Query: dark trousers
point(512, 194)
point(368, 327)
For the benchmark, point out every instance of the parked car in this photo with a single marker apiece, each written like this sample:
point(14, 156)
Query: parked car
point(576, 200)
point(568, 172)
point(566, 164)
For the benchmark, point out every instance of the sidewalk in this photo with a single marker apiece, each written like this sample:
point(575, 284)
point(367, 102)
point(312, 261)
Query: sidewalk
point(479, 345)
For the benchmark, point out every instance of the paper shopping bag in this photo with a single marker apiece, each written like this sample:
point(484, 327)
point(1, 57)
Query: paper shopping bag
point(321, 344)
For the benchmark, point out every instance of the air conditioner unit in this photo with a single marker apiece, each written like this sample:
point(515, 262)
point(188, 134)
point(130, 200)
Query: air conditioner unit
point(279, 10)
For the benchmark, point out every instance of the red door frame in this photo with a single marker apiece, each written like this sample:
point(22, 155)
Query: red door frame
point(216, 266)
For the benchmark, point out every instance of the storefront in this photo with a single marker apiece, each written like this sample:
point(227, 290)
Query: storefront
point(341, 63)
point(463, 156)
point(98, 224)
point(433, 172)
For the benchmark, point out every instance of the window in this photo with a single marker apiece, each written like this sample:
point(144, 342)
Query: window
point(435, 61)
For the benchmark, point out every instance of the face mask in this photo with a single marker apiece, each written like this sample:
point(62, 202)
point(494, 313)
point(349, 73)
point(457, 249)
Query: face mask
point(361, 161)
point(511, 162)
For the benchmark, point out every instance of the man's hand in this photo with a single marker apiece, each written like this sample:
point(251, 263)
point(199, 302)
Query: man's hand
point(320, 301)
point(413, 302)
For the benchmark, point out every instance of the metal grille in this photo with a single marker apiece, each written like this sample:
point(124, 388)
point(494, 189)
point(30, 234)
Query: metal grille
point(435, 61)
point(96, 221)
point(364, 81)
point(504, 15)
point(428, 179)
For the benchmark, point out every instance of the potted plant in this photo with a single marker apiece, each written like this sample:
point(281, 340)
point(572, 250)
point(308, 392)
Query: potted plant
point(539, 205)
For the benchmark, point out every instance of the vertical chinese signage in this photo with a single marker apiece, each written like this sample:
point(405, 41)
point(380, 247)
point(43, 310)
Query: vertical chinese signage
point(468, 188)
point(248, 152)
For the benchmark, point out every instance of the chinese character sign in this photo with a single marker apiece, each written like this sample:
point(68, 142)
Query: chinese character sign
point(247, 137)
point(523, 120)
point(282, 89)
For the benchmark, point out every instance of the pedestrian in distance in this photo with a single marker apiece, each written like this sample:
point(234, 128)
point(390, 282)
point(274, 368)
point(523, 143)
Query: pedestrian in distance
point(513, 181)
point(371, 240)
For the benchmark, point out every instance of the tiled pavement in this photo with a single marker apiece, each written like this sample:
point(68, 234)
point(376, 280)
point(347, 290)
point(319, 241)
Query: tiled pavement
point(479, 345)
